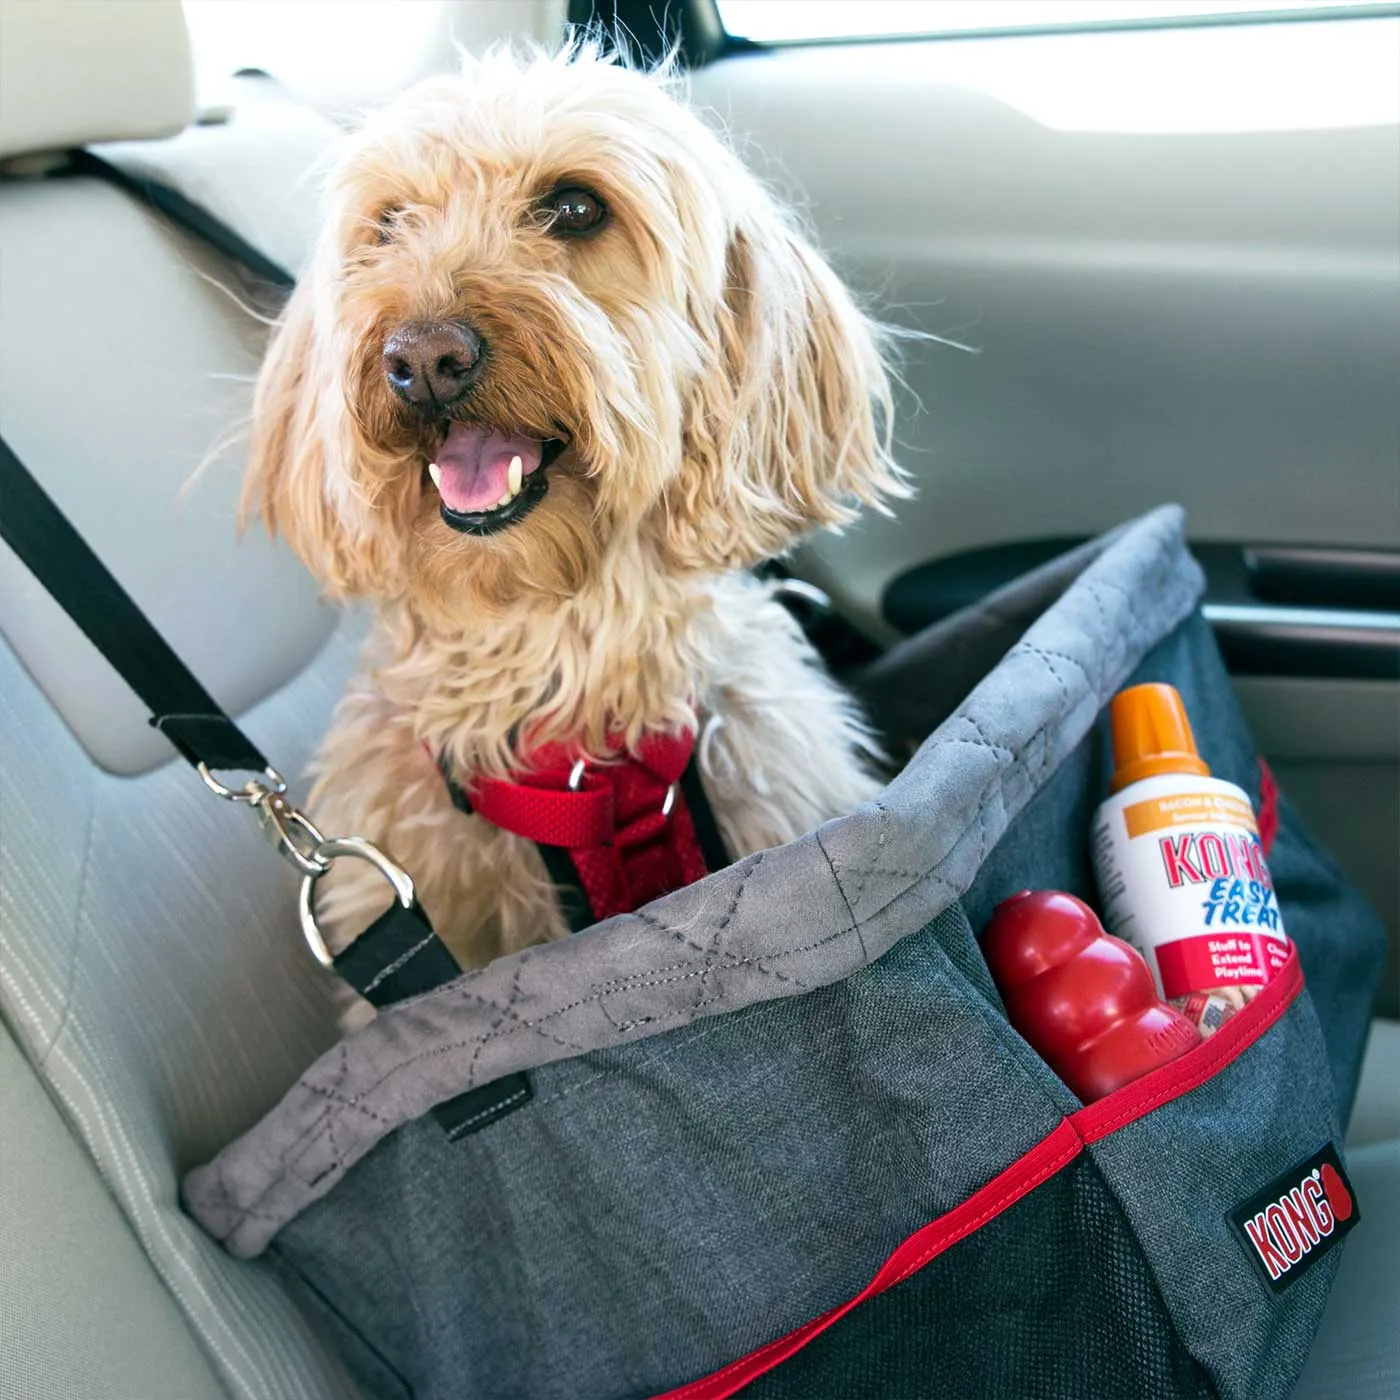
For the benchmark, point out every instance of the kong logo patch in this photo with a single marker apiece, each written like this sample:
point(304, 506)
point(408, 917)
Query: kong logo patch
point(1289, 1225)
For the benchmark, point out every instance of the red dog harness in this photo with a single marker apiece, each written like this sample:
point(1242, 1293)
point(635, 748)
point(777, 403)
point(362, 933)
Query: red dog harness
point(614, 835)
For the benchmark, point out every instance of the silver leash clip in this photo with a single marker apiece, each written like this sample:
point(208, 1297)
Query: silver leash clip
point(300, 843)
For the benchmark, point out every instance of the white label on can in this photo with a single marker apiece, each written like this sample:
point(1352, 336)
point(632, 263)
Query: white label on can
point(1182, 878)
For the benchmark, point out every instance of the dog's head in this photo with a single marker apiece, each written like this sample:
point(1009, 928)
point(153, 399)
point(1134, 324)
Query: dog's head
point(553, 317)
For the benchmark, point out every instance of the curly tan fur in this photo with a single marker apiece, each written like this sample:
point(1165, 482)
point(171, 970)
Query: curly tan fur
point(721, 395)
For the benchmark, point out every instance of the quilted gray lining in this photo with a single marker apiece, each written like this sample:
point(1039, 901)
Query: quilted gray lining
point(774, 925)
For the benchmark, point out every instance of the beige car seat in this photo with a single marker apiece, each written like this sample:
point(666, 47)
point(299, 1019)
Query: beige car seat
point(149, 968)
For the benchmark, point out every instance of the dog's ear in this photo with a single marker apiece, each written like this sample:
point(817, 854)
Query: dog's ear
point(787, 428)
point(296, 408)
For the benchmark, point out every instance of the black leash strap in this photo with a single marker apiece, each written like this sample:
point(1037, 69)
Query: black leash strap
point(399, 955)
point(702, 816)
point(82, 585)
point(396, 957)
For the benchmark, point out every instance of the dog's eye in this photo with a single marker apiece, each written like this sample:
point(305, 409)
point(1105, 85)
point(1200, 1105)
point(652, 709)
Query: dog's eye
point(572, 209)
point(388, 221)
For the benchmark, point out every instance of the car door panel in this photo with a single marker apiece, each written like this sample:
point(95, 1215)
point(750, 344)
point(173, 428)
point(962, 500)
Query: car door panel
point(1196, 302)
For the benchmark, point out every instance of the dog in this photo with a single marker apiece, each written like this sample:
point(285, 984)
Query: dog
point(559, 373)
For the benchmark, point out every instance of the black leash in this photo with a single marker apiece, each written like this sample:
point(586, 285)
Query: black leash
point(82, 585)
point(183, 710)
point(399, 955)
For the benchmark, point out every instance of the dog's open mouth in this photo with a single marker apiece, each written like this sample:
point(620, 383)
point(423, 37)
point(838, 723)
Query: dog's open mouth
point(489, 479)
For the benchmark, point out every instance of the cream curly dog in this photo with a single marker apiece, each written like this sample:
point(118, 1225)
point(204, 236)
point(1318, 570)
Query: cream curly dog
point(560, 371)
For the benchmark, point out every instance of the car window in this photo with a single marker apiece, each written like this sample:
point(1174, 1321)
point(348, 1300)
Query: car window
point(368, 52)
point(781, 21)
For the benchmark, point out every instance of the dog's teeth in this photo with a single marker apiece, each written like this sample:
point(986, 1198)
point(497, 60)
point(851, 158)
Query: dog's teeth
point(435, 472)
point(515, 476)
point(505, 500)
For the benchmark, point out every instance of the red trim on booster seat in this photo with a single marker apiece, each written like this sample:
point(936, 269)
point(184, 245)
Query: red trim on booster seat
point(1050, 1155)
point(1178, 1077)
point(1023, 1175)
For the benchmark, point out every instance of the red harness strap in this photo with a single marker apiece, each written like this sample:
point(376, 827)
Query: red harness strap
point(625, 824)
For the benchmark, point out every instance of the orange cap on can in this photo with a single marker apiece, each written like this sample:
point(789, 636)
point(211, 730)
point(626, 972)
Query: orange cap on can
point(1151, 735)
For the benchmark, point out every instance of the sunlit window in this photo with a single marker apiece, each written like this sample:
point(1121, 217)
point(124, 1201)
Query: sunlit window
point(329, 54)
point(791, 21)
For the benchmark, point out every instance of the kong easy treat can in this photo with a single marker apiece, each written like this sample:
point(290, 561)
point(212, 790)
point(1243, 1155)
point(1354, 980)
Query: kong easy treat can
point(1180, 869)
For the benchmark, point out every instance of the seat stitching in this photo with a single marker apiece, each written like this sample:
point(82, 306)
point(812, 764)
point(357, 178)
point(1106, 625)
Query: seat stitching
point(70, 976)
point(841, 889)
point(503, 1012)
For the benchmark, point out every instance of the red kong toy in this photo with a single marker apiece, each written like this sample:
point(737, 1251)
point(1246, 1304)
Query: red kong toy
point(1085, 1000)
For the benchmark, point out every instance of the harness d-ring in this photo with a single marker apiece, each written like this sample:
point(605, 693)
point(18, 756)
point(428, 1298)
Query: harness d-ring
point(581, 767)
point(357, 848)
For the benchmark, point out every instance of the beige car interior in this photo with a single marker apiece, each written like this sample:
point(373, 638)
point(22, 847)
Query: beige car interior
point(155, 997)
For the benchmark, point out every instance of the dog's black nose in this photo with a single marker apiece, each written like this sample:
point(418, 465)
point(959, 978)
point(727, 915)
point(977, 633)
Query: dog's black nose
point(429, 362)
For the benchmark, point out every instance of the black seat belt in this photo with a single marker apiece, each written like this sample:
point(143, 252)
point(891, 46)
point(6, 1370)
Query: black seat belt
point(181, 210)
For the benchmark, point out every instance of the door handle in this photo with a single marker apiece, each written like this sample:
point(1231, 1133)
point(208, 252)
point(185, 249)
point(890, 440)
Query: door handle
point(1277, 610)
point(1332, 578)
point(1267, 639)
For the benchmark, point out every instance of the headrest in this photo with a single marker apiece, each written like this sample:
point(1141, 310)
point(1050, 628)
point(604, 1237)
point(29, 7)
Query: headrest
point(74, 72)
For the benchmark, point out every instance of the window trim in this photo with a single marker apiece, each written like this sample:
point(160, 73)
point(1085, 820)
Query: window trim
point(737, 43)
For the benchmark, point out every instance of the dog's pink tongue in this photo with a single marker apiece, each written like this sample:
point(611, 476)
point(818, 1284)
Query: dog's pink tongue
point(474, 465)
